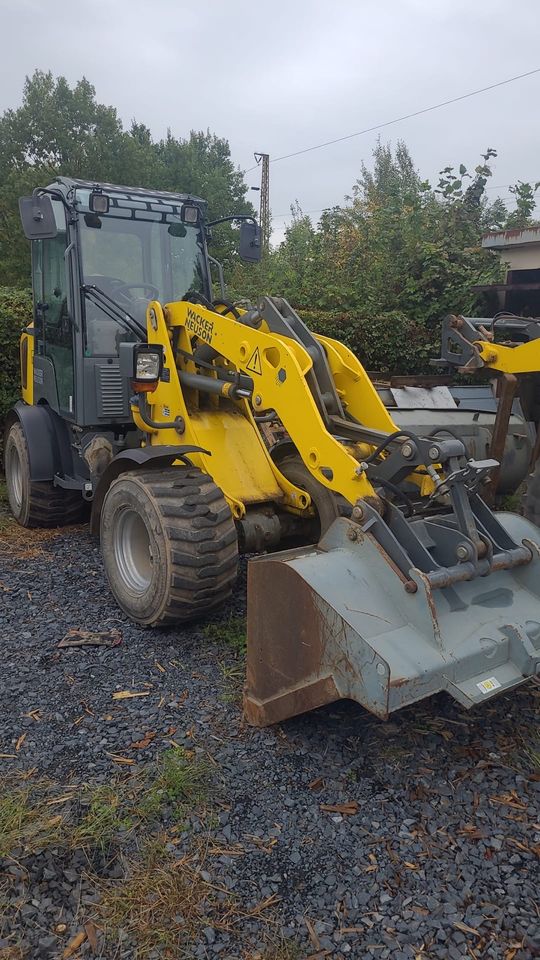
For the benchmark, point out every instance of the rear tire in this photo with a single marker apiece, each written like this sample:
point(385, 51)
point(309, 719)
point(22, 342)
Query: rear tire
point(169, 545)
point(36, 504)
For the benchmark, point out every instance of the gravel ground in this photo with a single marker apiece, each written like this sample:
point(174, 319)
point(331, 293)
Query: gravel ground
point(432, 856)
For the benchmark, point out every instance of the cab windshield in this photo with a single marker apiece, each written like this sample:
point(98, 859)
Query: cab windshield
point(139, 251)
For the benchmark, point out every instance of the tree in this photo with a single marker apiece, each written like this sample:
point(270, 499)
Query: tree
point(397, 244)
point(63, 130)
point(202, 166)
point(525, 204)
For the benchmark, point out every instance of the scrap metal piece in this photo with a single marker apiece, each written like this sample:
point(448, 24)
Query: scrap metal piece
point(91, 638)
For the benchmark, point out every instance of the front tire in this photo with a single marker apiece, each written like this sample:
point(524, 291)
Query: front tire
point(36, 504)
point(169, 545)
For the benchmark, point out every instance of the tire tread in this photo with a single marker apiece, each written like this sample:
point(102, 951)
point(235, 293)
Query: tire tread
point(202, 541)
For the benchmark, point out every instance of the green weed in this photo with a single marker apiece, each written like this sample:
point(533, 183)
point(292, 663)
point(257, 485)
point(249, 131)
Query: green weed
point(284, 950)
point(180, 781)
point(29, 817)
point(231, 632)
point(106, 814)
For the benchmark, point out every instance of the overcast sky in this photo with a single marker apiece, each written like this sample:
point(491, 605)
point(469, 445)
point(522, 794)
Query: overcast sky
point(283, 75)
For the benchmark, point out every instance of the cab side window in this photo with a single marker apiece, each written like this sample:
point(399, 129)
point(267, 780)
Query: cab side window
point(54, 330)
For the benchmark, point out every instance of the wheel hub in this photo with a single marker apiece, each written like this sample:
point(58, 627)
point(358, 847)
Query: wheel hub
point(14, 476)
point(133, 551)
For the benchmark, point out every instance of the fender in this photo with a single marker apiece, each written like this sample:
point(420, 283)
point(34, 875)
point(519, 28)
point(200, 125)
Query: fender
point(139, 458)
point(47, 438)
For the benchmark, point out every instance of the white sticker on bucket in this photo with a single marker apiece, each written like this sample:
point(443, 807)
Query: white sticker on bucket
point(486, 686)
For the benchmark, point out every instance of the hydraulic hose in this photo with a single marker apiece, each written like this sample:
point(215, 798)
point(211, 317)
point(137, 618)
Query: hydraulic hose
point(382, 446)
point(139, 401)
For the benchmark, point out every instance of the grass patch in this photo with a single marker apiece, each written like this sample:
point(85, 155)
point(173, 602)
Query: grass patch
point(284, 950)
point(180, 782)
point(512, 502)
point(531, 755)
point(165, 903)
point(22, 542)
point(35, 814)
point(230, 632)
point(167, 896)
point(13, 953)
point(106, 814)
point(233, 676)
point(6, 520)
point(28, 818)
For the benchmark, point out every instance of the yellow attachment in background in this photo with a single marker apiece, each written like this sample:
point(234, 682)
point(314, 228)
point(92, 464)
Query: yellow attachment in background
point(525, 358)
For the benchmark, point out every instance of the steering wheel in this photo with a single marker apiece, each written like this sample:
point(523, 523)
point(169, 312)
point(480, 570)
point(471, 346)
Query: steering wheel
point(230, 307)
point(193, 296)
point(121, 286)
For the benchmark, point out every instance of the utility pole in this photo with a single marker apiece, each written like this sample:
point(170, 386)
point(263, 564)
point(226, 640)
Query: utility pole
point(264, 209)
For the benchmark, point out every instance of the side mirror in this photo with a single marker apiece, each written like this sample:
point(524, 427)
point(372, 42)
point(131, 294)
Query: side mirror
point(37, 217)
point(249, 247)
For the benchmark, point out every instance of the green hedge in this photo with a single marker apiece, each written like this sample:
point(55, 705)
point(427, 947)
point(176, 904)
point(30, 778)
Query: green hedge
point(15, 314)
point(391, 343)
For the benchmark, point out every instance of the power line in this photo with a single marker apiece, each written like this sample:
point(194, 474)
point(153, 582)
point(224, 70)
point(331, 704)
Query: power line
point(282, 216)
point(305, 213)
point(407, 116)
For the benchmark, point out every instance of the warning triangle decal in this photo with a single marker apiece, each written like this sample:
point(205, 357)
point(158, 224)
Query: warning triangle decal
point(254, 362)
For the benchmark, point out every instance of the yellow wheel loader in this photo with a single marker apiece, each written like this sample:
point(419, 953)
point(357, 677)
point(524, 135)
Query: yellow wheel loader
point(381, 574)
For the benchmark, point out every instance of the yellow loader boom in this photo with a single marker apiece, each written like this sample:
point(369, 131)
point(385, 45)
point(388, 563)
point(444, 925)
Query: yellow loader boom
point(276, 371)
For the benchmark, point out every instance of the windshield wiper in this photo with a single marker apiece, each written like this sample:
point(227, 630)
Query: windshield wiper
point(113, 310)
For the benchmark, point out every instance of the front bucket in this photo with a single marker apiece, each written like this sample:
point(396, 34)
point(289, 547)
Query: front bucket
point(334, 621)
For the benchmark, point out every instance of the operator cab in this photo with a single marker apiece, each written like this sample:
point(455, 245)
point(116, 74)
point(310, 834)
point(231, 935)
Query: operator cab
point(100, 253)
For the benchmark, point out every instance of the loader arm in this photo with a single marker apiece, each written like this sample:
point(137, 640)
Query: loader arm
point(278, 368)
point(225, 371)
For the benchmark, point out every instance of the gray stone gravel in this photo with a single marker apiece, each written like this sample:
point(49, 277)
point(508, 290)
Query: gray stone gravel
point(442, 843)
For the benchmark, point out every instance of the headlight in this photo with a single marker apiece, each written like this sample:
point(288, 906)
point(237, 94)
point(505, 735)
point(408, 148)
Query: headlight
point(147, 366)
point(189, 213)
point(99, 202)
